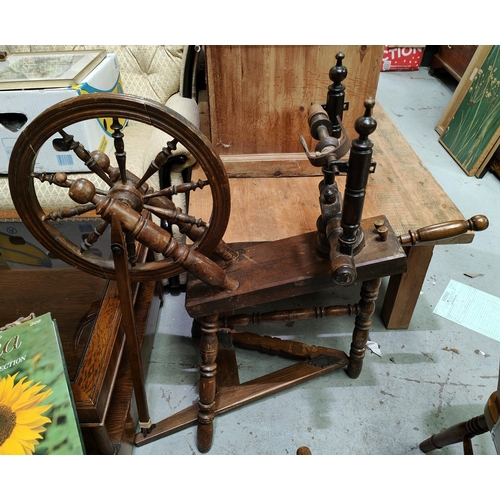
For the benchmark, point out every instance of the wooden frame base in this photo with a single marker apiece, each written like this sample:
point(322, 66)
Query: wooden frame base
point(230, 398)
point(259, 272)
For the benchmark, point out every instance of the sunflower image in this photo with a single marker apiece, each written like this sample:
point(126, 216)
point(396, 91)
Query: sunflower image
point(21, 420)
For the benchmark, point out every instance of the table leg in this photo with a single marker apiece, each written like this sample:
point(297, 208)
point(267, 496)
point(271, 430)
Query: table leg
point(403, 290)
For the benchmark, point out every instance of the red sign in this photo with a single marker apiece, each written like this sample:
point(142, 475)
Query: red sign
point(401, 58)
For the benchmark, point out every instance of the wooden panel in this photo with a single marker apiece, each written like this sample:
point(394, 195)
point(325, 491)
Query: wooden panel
point(32, 290)
point(74, 299)
point(259, 97)
point(453, 59)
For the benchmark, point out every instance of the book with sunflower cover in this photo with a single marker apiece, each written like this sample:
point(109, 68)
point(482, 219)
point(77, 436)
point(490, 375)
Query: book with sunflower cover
point(37, 411)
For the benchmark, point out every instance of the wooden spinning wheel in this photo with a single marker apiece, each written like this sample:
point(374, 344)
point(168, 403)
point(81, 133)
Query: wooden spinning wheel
point(124, 204)
point(129, 193)
point(345, 250)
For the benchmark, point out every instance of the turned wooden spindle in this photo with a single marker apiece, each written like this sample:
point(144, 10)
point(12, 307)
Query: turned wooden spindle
point(289, 315)
point(458, 433)
point(275, 345)
point(351, 241)
point(161, 159)
point(362, 324)
point(58, 178)
point(120, 154)
point(444, 230)
point(67, 213)
point(336, 94)
point(465, 431)
point(185, 187)
point(174, 215)
point(92, 238)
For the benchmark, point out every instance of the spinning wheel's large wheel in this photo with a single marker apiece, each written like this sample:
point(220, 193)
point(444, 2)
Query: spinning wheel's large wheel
point(119, 107)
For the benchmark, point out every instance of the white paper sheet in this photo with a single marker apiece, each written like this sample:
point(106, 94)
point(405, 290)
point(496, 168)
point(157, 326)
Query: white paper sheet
point(474, 309)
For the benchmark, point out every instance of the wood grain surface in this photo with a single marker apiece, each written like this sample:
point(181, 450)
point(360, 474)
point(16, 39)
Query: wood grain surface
point(259, 96)
point(267, 208)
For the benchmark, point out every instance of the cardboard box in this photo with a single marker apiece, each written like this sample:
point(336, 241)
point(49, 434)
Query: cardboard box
point(19, 249)
point(401, 58)
point(19, 107)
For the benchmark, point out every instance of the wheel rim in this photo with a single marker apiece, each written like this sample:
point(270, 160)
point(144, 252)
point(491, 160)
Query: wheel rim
point(123, 106)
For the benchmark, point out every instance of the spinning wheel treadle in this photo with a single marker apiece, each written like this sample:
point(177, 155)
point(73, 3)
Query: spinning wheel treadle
point(126, 194)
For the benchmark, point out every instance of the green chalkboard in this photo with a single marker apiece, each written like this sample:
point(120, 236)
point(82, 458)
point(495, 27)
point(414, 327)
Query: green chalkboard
point(474, 130)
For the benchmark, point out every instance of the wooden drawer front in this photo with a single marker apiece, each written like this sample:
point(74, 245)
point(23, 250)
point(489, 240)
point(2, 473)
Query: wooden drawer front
point(456, 58)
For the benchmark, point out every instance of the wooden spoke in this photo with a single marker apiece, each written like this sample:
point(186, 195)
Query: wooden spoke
point(92, 238)
point(179, 188)
point(66, 213)
point(68, 143)
point(120, 155)
point(160, 160)
point(174, 216)
point(59, 179)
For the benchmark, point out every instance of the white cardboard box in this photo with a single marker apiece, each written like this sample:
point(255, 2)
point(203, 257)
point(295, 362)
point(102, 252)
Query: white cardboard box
point(28, 104)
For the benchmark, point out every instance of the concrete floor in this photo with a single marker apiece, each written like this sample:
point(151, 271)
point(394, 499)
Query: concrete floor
point(429, 377)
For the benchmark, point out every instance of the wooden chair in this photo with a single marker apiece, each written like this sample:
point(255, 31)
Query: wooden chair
point(465, 431)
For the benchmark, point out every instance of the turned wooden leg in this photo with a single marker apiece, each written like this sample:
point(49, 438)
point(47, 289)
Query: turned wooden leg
point(103, 441)
point(227, 365)
point(362, 323)
point(303, 450)
point(458, 433)
point(209, 326)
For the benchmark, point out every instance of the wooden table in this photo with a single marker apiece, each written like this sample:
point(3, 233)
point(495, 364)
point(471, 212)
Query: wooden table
point(269, 205)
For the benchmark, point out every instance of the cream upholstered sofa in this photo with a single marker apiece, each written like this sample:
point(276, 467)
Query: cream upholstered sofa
point(164, 73)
